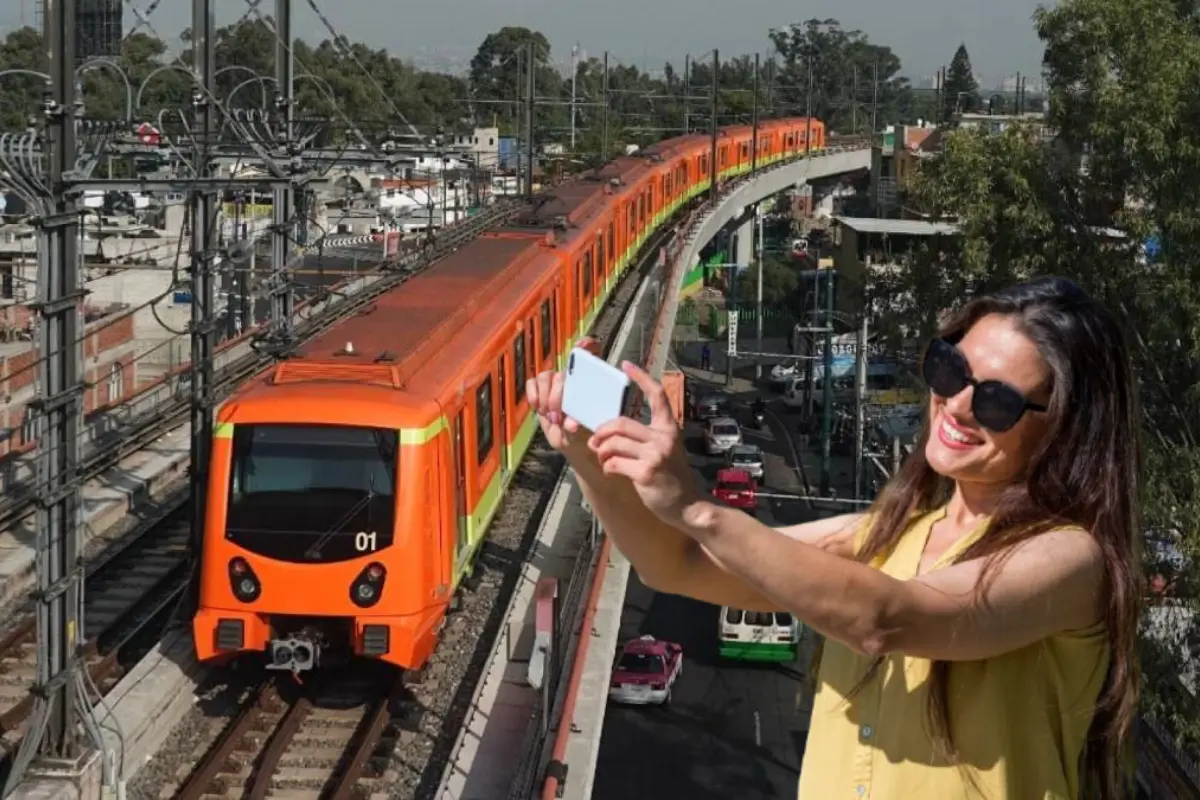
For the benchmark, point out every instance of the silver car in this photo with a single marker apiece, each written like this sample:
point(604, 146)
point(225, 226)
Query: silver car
point(721, 434)
point(746, 457)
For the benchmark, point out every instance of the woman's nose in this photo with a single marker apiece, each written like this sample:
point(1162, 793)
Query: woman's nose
point(960, 404)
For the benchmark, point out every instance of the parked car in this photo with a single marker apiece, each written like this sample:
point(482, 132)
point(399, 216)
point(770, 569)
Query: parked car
point(720, 434)
point(748, 457)
point(737, 488)
point(645, 672)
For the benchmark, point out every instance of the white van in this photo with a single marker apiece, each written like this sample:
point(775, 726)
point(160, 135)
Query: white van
point(758, 635)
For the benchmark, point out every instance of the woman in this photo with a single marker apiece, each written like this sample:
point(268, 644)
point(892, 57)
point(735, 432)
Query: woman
point(980, 618)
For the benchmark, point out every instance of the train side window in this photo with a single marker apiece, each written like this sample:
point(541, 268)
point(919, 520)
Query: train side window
point(587, 273)
point(518, 368)
point(611, 251)
point(546, 339)
point(484, 418)
point(601, 264)
point(632, 218)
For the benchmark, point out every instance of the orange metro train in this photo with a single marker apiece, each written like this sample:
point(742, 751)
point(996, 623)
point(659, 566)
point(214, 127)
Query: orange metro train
point(352, 484)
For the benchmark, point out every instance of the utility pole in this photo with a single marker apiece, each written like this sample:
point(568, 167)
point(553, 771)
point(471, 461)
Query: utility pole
point(827, 387)
point(574, 76)
point(712, 189)
point(732, 323)
point(875, 99)
point(531, 88)
point(758, 314)
point(860, 403)
point(854, 99)
point(604, 114)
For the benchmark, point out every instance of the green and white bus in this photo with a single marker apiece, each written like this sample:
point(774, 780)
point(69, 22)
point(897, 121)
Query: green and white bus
point(758, 635)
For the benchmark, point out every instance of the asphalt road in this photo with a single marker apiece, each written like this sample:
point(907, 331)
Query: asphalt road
point(733, 729)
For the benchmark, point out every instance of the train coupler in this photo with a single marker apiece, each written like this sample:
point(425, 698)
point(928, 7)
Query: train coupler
point(295, 655)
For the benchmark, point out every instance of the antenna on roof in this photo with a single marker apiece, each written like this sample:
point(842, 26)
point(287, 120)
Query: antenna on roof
point(348, 350)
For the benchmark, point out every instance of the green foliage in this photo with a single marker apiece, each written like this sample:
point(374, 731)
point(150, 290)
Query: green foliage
point(1121, 164)
point(376, 91)
point(843, 67)
point(962, 90)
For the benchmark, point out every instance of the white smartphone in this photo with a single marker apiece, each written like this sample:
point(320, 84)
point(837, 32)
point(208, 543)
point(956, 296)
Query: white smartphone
point(595, 390)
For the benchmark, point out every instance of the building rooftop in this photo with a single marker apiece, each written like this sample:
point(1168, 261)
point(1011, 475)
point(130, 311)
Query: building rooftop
point(897, 227)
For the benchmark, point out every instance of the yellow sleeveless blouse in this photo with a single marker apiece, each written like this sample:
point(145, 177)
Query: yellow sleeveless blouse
point(1019, 721)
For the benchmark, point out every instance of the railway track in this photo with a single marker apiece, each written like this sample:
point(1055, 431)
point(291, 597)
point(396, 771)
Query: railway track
point(363, 731)
point(126, 592)
point(314, 740)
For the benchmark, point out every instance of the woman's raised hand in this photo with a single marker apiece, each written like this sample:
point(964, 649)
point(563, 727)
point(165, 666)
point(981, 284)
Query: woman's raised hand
point(545, 394)
point(651, 456)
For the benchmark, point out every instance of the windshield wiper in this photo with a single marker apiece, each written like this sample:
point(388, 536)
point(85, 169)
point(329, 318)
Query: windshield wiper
point(314, 552)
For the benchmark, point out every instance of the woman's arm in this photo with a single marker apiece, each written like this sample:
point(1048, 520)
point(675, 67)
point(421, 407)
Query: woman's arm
point(1047, 585)
point(668, 560)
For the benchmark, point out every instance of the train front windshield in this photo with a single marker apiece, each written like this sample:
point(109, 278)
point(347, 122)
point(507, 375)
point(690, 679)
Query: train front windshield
point(312, 493)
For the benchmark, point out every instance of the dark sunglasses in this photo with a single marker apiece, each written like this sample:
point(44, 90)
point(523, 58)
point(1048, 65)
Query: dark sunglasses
point(996, 405)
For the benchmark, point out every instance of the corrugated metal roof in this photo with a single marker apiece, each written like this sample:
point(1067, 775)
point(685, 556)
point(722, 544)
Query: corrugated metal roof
point(899, 227)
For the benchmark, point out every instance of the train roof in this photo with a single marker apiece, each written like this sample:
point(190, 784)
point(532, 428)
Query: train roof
point(388, 341)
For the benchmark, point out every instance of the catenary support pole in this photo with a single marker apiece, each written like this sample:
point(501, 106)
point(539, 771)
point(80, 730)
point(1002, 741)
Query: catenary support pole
point(59, 416)
point(712, 167)
point(827, 383)
point(530, 111)
point(754, 128)
point(604, 113)
point(574, 81)
point(808, 96)
point(687, 91)
point(203, 217)
point(284, 197)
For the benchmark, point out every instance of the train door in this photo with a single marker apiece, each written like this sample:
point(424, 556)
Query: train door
point(460, 487)
point(502, 396)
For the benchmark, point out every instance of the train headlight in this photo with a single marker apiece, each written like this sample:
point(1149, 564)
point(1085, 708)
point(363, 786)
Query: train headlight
point(243, 581)
point(368, 586)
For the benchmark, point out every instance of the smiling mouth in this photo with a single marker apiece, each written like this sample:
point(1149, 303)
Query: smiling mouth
point(957, 436)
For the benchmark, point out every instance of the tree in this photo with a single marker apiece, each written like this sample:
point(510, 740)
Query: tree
point(962, 90)
point(844, 68)
point(498, 70)
point(1125, 122)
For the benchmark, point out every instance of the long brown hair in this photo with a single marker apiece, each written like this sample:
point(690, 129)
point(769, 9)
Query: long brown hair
point(1086, 472)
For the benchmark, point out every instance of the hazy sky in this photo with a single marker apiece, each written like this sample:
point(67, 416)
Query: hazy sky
point(924, 33)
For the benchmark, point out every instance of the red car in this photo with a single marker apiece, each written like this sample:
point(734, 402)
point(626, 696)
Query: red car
point(737, 488)
point(645, 672)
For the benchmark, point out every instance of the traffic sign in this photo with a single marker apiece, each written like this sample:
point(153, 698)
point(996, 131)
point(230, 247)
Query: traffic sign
point(733, 332)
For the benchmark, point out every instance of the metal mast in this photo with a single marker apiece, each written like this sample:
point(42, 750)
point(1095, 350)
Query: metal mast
point(203, 220)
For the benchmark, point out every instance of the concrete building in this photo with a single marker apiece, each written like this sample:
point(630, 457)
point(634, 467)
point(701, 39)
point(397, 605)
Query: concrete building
point(894, 159)
point(110, 371)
